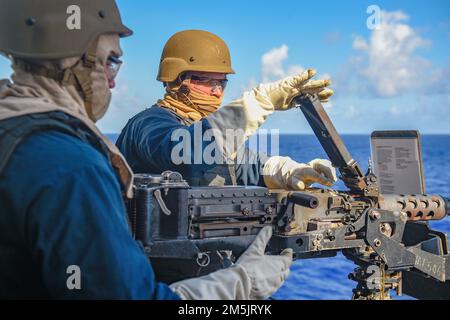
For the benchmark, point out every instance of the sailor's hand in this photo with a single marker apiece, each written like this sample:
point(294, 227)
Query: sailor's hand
point(285, 173)
point(267, 273)
point(254, 276)
point(280, 94)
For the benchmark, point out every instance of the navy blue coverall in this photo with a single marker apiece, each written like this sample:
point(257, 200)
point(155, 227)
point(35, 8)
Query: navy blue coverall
point(61, 206)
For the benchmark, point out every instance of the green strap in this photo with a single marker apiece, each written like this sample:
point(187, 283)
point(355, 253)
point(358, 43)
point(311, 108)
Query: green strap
point(65, 76)
point(83, 76)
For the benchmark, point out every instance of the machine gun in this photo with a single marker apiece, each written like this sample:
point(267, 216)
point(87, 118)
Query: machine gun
point(188, 231)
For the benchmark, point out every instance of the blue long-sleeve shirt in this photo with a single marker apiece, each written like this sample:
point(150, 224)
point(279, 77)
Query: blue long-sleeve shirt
point(147, 142)
point(61, 206)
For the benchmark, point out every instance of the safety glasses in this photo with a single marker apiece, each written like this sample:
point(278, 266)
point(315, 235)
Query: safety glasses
point(214, 83)
point(113, 66)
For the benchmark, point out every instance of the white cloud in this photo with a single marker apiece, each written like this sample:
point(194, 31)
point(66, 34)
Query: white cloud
point(395, 111)
point(328, 106)
point(252, 83)
point(389, 63)
point(351, 112)
point(272, 65)
point(124, 105)
point(273, 69)
point(360, 44)
point(295, 70)
point(324, 76)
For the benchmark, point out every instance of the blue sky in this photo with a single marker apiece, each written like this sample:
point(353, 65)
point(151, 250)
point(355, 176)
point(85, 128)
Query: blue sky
point(396, 77)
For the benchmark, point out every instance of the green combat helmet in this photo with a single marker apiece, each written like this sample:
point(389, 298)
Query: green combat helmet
point(48, 29)
point(40, 30)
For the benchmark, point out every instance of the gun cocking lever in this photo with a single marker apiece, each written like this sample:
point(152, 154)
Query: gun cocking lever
point(323, 127)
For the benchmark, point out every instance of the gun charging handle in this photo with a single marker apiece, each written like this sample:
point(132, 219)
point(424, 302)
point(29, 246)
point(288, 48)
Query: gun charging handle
point(304, 200)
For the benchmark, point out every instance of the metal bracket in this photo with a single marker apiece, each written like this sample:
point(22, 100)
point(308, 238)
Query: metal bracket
point(390, 249)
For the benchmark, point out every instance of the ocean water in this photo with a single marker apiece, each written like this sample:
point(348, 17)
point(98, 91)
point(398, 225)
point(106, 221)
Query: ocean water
point(322, 279)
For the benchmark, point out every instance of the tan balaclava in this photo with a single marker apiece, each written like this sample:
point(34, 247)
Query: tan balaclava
point(189, 103)
point(31, 93)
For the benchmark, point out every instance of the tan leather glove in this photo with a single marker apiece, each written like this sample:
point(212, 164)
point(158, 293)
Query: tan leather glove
point(281, 93)
point(254, 276)
point(285, 173)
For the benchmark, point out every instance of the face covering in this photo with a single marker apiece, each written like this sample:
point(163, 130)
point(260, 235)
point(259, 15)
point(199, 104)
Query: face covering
point(101, 96)
point(189, 103)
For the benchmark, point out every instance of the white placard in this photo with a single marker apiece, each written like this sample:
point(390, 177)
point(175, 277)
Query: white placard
point(397, 160)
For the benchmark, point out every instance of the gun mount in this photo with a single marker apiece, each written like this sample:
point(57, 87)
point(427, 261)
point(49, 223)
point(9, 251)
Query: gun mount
point(188, 231)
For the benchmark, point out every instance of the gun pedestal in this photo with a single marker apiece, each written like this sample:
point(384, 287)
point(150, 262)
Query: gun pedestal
point(375, 283)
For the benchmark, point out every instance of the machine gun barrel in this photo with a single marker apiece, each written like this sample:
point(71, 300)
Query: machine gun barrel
point(417, 207)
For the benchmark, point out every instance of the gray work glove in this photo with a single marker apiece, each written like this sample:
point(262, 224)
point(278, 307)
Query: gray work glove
point(254, 276)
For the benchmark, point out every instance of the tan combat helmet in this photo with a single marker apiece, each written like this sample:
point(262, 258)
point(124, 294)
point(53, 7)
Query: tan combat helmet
point(42, 29)
point(194, 50)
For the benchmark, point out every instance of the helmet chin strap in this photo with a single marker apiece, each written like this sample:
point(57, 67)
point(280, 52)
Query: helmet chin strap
point(84, 79)
point(76, 76)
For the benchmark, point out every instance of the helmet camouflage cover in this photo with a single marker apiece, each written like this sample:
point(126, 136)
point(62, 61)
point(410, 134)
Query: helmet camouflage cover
point(44, 29)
